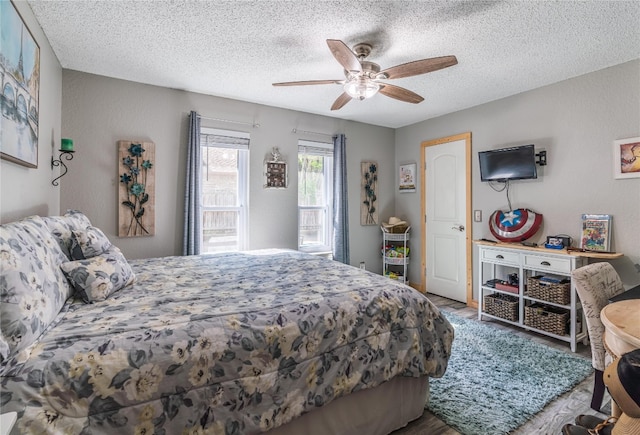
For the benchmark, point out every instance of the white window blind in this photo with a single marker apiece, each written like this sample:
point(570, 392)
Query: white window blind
point(315, 148)
point(211, 137)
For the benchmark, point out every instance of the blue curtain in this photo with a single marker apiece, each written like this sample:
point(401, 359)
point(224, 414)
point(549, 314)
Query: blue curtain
point(340, 201)
point(192, 224)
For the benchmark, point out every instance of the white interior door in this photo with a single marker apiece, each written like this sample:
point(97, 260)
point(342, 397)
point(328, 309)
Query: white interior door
point(447, 219)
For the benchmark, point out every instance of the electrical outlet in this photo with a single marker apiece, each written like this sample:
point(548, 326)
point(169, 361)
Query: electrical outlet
point(477, 215)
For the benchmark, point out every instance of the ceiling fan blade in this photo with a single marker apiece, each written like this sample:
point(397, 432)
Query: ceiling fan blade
point(344, 55)
point(310, 82)
point(399, 93)
point(419, 67)
point(343, 99)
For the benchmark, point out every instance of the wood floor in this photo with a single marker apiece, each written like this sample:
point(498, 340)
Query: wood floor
point(550, 420)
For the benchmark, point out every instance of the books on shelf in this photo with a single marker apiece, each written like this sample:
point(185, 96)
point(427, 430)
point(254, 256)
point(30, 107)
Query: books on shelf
point(507, 287)
point(596, 232)
point(553, 279)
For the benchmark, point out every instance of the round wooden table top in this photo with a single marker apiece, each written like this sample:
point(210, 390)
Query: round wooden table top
point(622, 324)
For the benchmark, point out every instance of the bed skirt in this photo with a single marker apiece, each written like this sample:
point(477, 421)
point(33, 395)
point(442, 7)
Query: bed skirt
point(378, 411)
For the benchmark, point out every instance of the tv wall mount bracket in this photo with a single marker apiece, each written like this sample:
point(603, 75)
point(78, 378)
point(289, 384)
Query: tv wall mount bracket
point(542, 158)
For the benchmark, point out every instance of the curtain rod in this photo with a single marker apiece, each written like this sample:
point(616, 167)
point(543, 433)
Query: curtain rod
point(311, 132)
point(253, 124)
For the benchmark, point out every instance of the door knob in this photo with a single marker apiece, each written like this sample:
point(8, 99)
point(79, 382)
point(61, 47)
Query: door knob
point(459, 228)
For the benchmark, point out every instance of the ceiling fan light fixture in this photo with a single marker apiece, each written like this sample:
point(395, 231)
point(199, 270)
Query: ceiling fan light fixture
point(362, 77)
point(361, 88)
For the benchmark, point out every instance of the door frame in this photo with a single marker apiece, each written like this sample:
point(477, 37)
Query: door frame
point(468, 222)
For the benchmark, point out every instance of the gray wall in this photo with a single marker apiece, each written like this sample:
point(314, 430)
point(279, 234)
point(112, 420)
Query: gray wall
point(576, 122)
point(26, 191)
point(99, 111)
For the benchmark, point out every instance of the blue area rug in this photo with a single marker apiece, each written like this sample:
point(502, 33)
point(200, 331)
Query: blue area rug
point(497, 380)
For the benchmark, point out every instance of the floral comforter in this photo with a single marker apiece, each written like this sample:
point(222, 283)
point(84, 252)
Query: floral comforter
point(229, 343)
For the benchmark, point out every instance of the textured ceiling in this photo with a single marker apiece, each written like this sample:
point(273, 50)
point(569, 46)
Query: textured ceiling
point(236, 49)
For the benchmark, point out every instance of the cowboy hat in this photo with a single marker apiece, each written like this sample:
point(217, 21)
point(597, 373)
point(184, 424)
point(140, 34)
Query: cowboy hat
point(393, 222)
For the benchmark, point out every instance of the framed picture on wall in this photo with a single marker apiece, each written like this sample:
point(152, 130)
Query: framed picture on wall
point(20, 68)
point(407, 174)
point(626, 158)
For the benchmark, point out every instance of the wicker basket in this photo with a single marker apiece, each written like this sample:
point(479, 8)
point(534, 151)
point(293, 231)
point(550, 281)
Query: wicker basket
point(397, 229)
point(558, 293)
point(547, 318)
point(503, 306)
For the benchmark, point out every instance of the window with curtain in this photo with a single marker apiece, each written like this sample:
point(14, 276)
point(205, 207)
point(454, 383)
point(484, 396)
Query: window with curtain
point(315, 196)
point(224, 190)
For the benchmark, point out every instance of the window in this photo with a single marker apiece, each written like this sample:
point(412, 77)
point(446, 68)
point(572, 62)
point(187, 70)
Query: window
point(315, 196)
point(225, 185)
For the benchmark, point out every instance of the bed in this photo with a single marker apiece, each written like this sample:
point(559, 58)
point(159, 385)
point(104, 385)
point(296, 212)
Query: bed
point(270, 341)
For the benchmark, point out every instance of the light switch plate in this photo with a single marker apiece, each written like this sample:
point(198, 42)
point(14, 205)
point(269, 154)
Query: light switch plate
point(477, 215)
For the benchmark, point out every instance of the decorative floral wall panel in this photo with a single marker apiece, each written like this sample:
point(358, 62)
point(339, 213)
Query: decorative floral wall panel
point(136, 197)
point(368, 198)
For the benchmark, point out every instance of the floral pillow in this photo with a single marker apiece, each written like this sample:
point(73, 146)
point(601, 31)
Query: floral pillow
point(88, 243)
point(98, 277)
point(32, 288)
point(62, 226)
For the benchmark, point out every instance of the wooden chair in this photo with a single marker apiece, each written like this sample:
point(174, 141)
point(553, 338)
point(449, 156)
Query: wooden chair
point(596, 283)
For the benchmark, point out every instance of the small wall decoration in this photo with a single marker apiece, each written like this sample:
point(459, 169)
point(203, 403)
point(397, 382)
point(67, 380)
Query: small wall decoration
point(596, 232)
point(368, 198)
point(275, 171)
point(136, 194)
point(20, 72)
point(626, 158)
point(407, 175)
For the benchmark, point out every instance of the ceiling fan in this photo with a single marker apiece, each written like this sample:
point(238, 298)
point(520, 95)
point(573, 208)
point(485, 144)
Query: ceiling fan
point(362, 78)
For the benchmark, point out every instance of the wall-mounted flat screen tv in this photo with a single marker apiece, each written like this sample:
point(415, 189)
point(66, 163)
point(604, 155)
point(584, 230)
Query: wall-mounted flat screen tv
point(516, 163)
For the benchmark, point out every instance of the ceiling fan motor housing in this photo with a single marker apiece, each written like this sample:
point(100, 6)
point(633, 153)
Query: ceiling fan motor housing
point(362, 50)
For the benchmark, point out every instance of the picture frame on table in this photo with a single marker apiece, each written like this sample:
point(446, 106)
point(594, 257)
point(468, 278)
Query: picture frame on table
point(595, 234)
point(407, 177)
point(20, 69)
point(626, 158)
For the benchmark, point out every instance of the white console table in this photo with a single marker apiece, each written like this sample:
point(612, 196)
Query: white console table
point(498, 260)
